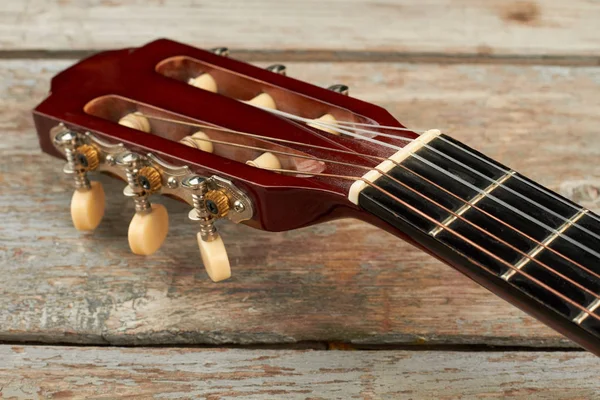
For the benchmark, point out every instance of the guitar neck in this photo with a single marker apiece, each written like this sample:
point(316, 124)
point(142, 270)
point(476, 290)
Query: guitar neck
point(527, 244)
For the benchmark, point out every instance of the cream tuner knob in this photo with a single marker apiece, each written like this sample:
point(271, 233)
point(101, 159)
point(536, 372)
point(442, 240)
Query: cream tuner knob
point(148, 230)
point(214, 257)
point(204, 81)
point(87, 207)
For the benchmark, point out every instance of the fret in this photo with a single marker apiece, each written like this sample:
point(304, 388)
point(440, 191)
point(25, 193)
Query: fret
point(467, 206)
point(489, 226)
point(593, 306)
point(545, 243)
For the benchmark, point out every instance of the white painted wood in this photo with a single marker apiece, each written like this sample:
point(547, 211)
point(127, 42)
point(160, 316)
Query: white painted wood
point(500, 27)
point(28, 372)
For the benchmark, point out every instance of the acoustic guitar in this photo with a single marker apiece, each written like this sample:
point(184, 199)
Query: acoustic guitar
point(254, 146)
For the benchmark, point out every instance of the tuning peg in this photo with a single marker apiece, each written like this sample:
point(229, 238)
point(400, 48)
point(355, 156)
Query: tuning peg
point(150, 224)
point(277, 69)
point(136, 121)
point(266, 161)
point(88, 201)
point(198, 140)
point(208, 206)
point(220, 51)
point(340, 88)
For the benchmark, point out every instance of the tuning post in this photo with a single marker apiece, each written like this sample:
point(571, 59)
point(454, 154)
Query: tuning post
point(88, 200)
point(340, 88)
point(150, 224)
point(279, 69)
point(209, 204)
point(220, 51)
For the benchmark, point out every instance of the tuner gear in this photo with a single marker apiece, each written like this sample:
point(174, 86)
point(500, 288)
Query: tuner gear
point(217, 203)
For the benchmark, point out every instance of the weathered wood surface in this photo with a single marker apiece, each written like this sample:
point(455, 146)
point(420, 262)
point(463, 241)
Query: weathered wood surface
point(32, 372)
point(341, 281)
point(474, 27)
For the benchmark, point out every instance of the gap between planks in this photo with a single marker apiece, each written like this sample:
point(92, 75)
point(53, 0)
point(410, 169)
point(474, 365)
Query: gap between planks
point(346, 56)
point(317, 345)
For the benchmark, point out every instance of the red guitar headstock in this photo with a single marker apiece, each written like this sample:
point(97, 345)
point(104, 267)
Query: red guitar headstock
point(232, 140)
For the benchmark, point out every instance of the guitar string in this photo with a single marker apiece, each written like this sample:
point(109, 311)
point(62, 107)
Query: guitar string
point(538, 243)
point(464, 182)
point(480, 248)
point(368, 168)
point(395, 128)
point(332, 126)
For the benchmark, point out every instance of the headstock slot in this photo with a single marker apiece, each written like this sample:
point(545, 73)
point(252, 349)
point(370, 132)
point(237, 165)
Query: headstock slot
point(242, 87)
point(175, 127)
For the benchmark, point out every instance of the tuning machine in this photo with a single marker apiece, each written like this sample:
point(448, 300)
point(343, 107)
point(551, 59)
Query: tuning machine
point(214, 198)
point(150, 224)
point(88, 201)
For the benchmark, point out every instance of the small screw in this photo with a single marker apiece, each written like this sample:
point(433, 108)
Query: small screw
point(172, 182)
point(238, 206)
point(110, 160)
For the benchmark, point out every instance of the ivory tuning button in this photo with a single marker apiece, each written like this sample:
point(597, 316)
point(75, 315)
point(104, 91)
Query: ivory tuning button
point(136, 121)
point(150, 224)
point(265, 161)
point(198, 140)
point(88, 200)
point(209, 205)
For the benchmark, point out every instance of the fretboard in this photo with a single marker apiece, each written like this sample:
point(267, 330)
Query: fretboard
point(505, 229)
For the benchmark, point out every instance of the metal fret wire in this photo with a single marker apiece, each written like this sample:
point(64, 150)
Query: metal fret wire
point(459, 179)
point(395, 128)
point(399, 200)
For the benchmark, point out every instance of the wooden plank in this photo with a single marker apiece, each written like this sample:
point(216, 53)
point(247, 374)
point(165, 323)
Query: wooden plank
point(102, 372)
point(474, 27)
point(341, 281)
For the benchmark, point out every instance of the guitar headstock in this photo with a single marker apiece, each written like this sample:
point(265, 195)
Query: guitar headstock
point(232, 140)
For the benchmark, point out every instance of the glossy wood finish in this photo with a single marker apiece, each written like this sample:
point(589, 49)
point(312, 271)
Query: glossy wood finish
point(131, 74)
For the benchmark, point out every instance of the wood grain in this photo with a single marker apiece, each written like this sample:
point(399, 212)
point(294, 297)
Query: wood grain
point(471, 27)
point(341, 281)
point(32, 372)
